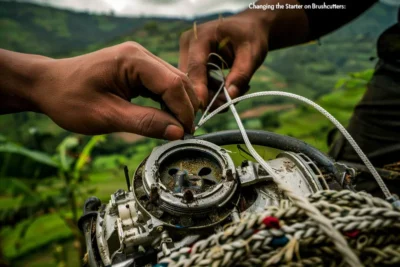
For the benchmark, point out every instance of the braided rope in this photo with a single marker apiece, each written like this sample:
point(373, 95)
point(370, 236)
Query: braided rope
point(371, 228)
point(349, 198)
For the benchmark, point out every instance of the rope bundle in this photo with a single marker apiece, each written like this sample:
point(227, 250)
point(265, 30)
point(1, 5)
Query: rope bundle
point(289, 237)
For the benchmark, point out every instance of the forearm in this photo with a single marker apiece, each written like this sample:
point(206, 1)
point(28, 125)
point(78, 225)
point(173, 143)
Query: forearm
point(20, 74)
point(287, 27)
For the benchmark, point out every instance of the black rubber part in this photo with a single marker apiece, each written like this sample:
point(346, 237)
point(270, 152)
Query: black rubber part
point(90, 211)
point(90, 208)
point(273, 140)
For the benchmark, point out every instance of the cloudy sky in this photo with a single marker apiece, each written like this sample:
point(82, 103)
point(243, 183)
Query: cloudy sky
point(174, 8)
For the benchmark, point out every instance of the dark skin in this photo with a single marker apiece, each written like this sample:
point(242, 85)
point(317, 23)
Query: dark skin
point(243, 41)
point(90, 94)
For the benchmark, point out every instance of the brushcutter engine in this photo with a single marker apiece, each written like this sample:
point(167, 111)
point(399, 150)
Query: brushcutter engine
point(189, 189)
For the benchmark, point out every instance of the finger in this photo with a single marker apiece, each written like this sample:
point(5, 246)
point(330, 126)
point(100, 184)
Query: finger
point(197, 69)
point(185, 79)
point(146, 121)
point(243, 68)
point(187, 83)
point(170, 86)
point(184, 50)
point(177, 99)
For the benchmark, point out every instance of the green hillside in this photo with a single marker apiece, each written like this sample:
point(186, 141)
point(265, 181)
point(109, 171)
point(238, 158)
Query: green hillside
point(30, 28)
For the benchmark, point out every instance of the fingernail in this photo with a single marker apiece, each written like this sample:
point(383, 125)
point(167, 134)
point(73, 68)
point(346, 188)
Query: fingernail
point(233, 90)
point(173, 132)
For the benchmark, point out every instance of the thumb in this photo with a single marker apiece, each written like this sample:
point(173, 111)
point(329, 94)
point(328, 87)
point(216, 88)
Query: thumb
point(242, 70)
point(146, 121)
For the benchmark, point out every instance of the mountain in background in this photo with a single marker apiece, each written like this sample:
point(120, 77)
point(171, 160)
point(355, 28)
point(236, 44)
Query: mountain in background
point(32, 28)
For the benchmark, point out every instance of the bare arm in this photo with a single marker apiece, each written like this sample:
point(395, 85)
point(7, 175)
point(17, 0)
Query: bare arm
point(18, 75)
point(90, 94)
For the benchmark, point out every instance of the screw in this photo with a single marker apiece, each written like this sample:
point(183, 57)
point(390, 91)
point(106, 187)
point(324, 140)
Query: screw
point(160, 228)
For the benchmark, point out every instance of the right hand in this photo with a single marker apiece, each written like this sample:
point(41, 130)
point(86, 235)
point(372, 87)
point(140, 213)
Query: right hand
point(241, 40)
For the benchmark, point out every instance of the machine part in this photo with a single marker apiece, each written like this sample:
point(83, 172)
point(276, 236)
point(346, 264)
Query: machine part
point(386, 174)
point(188, 178)
point(101, 242)
point(85, 224)
point(187, 190)
point(273, 140)
point(128, 182)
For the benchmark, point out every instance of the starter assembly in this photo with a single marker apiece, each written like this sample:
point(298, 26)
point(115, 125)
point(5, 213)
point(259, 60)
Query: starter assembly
point(187, 190)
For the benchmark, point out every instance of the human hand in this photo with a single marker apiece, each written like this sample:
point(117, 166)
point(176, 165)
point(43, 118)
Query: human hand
point(242, 41)
point(90, 94)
